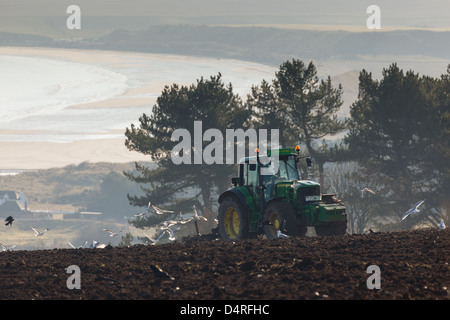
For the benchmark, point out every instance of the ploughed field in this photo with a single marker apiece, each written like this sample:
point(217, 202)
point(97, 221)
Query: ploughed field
point(412, 265)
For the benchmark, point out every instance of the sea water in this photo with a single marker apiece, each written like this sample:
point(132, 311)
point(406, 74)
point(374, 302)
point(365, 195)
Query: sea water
point(36, 94)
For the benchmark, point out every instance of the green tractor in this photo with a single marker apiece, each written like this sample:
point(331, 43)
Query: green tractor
point(277, 201)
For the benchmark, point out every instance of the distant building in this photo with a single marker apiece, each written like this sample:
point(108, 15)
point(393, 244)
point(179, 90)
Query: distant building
point(9, 202)
point(12, 203)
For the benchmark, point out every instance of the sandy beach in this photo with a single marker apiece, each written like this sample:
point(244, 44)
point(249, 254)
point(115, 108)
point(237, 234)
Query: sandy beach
point(141, 93)
point(43, 155)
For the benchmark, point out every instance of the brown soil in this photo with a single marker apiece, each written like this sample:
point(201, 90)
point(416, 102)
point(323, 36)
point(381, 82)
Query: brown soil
point(413, 265)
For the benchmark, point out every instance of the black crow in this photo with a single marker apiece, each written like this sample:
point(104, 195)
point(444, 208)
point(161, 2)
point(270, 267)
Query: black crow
point(9, 221)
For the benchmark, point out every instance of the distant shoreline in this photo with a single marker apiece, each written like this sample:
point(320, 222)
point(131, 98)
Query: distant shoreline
point(12, 172)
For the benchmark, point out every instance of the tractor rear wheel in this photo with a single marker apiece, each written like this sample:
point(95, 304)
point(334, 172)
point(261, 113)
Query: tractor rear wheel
point(281, 216)
point(233, 219)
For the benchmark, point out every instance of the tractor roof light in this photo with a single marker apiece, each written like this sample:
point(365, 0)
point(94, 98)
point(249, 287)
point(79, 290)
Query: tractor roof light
point(297, 148)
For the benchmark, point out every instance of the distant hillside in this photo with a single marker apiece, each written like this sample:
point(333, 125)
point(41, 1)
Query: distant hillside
point(87, 186)
point(271, 45)
point(259, 44)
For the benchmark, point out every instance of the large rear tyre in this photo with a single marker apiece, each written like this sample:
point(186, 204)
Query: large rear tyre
point(233, 220)
point(281, 216)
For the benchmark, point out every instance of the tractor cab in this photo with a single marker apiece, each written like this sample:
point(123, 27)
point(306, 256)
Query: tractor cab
point(265, 173)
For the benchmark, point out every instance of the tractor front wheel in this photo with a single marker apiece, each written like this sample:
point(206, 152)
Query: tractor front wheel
point(233, 220)
point(281, 216)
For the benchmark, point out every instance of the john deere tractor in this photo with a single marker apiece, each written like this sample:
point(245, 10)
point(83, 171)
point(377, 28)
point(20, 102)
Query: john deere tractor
point(269, 197)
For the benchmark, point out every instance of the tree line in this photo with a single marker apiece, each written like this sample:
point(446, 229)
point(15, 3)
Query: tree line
point(396, 140)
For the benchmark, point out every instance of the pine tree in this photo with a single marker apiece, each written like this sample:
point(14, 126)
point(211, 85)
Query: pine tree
point(396, 132)
point(179, 186)
point(302, 107)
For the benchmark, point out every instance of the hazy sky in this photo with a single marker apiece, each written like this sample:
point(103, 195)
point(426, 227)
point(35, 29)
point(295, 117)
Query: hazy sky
point(432, 13)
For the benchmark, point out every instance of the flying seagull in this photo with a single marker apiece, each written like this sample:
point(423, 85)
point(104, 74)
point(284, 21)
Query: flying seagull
point(38, 233)
point(366, 190)
point(171, 233)
point(145, 212)
point(9, 221)
point(160, 211)
point(442, 225)
point(155, 241)
point(112, 233)
point(79, 247)
point(197, 216)
point(167, 224)
point(183, 220)
point(5, 248)
point(141, 214)
point(414, 209)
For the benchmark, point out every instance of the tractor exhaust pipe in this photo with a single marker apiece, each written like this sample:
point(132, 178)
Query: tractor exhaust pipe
point(261, 186)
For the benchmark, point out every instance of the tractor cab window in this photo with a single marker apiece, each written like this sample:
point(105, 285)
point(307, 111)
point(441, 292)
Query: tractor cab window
point(291, 168)
point(282, 172)
point(286, 169)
